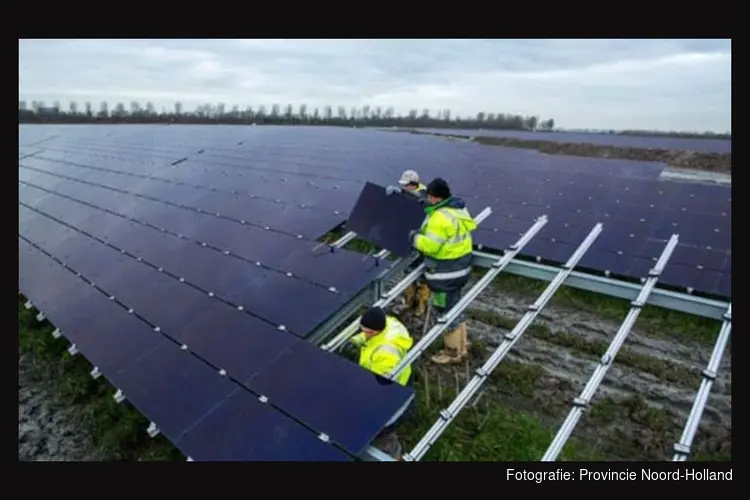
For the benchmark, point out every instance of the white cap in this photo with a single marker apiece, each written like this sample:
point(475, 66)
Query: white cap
point(408, 177)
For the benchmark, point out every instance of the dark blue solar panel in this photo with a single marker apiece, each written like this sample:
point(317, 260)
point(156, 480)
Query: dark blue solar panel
point(724, 285)
point(232, 340)
point(244, 429)
point(346, 271)
point(173, 388)
point(331, 394)
point(386, 220)
point(296, 304)
point(689, 277)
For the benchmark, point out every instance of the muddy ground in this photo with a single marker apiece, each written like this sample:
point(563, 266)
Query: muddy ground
point(644, 401)
point(47, 429)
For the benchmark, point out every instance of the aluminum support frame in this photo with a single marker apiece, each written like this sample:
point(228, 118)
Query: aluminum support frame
point(446, 319)
point(447, 415)
point(683, 446)
point(583, 401)
point(675, 301)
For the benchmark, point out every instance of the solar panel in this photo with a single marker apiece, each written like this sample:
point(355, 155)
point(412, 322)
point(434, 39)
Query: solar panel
point(348, 404)
point(386, 220)
point(244, 429)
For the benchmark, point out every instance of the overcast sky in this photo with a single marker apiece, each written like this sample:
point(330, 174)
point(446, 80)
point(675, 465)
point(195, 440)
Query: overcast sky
point(620, 84)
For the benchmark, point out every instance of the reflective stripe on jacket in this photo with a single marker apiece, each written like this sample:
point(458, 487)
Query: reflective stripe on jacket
point(445, 241)
point(381, 353)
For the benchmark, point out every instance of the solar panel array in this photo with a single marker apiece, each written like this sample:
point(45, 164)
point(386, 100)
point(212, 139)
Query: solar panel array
point(139, 240)
point(307, 179)
point(195, 302)
point(720, 146)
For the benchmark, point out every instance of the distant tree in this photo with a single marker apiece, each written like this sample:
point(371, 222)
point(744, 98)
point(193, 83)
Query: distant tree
point(328, 112)
point(89, 110)
point(73, 107)
point(178, 108)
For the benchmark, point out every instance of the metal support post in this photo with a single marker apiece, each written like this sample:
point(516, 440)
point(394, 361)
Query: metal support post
point(682, 448)
point(389, 296)
point(446, 319)
point(449, 414)
point(584, 399)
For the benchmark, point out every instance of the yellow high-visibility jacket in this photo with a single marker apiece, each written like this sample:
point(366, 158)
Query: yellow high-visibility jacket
point(381, 353)
point(445, 241)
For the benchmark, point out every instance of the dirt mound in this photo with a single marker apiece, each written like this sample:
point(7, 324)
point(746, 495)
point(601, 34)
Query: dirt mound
point(712, 162)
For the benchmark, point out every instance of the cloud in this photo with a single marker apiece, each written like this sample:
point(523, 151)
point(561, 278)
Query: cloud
point(664, 84)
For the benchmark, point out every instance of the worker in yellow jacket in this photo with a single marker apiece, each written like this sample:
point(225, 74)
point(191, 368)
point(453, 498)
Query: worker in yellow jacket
point(417, 295)
point(383, 342)
point(444, 239)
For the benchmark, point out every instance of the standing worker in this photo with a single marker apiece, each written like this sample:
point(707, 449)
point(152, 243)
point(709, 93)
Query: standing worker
point(445, 242)
point(410, 184)
point(384, 341)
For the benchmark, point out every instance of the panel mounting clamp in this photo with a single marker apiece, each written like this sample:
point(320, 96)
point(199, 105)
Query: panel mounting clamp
point(153, 430)
point(119, 396)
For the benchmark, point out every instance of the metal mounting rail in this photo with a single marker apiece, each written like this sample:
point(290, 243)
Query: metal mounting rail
point(446, 319)
point(449, 414)
point(387, 297)
point(584, 399)
point(682, 448)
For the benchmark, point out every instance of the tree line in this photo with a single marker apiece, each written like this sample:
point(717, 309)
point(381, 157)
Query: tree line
point(368, 116)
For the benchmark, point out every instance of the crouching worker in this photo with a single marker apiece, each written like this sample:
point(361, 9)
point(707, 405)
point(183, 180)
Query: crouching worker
point(446, 244)
point(383, 343)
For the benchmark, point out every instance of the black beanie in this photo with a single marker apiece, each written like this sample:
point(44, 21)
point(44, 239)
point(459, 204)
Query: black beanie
point(439, 189)
point(373, 319)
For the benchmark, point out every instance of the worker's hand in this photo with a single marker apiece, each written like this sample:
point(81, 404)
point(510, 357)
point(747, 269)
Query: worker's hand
point(390, 190)
point(412, 234)
point(358, 340)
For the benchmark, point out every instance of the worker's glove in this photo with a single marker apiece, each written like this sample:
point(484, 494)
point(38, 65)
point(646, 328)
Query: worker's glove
point(412, 234)
point(390, 190)
point(358, 340)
